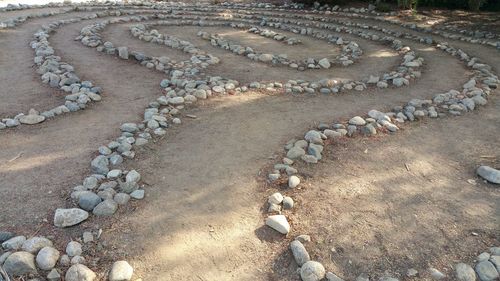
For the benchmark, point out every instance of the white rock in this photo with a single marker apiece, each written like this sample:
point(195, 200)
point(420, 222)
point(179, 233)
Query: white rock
point(312, 271)
point(79, 272)
point(293, 181)
point(278, 223)
point(275, 198)
point(121, 271)
point(69, 217)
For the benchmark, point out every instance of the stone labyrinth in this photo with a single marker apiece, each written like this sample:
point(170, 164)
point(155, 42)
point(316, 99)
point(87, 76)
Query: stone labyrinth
point(179, 138)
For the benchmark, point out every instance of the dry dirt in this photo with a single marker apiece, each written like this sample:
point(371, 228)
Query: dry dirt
point(202, 218)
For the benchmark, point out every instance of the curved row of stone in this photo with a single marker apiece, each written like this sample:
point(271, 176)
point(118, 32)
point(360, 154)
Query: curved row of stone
point(397, 78)
point(28, 256)
point(59, 74)
point(449, 33)
point(309, 150)
point(274, 35)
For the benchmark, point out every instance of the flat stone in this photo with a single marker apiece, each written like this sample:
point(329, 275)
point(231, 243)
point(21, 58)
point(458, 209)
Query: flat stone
point(489, 174)
point(31, 119)
point(137, 194)
point(47, 258)
point(299, 252)
point(121, 271)
point(20, 263)
point(278, 223)
point(79, 272)
point(312, 271)
point(69, 217)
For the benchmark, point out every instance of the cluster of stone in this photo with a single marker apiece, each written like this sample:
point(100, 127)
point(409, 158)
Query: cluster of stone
point(449, 31)
point(37, 257)
point(349, 52)
point(474, 93)
point(274, 35)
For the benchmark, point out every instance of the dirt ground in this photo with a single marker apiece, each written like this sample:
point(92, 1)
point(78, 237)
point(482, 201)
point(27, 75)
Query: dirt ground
point(378, 205)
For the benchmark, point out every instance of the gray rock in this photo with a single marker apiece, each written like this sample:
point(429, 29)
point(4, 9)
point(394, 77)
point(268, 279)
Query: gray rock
point(489, 174)
point(65, 260)
point(20, 263)
point(54, 275)
point(34, 244)
point(4, 236)
point(483, 257)
point(121, 198)
point(464, 272)
point(123, 52)
point(295, 152)
point(278, 223)
point(137, 194)
point(299, 252)
point(324, 63)
point(486, 271)
point(105, 208)
point(87, 200)
point(266, 57)
point(275, 198)
point(77, 260)
point(129, 127)
point(495, 260)
point(87, 237)
point(436, 274)
point(332, 277)
point(287, 203)
point(4, 256)
point(69, 217)
point(121, 271)
point(79, 272)
point(74, 249)
point(133, 176)
point(312, 271)
point(100, 164)
point(14, 243)
point(47, 258)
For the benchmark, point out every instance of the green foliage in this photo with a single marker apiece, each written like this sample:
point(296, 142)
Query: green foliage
point(383, 7)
